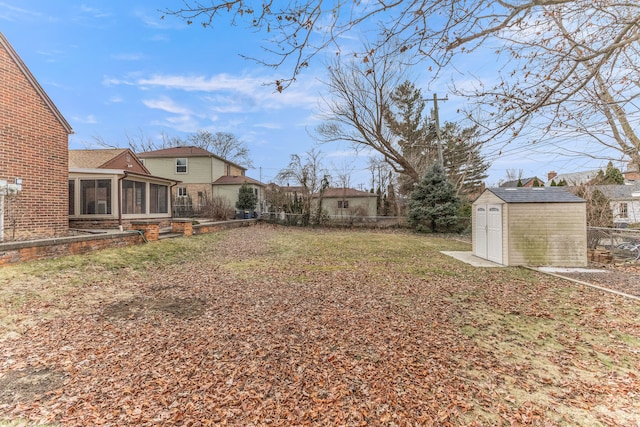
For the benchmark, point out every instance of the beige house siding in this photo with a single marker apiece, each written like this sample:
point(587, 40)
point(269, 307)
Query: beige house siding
point(230, 193)
point(362, 206)
point(199, 169)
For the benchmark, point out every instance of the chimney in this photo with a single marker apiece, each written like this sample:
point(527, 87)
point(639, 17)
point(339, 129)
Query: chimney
point(551, 175)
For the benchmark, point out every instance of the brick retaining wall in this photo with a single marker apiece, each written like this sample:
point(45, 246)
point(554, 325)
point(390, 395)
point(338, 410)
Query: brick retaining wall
point(31, 250)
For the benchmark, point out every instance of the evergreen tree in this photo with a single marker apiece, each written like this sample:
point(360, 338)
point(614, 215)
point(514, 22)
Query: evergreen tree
point(464, 163)
point(433, 203)
point(613, 175)
point(610, 176)
point(247, 198)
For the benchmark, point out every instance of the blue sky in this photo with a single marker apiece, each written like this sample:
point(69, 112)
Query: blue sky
point(115, 70)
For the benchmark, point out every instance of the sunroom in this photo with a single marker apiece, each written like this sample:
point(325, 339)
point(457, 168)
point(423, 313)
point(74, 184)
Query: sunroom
point(112, 198)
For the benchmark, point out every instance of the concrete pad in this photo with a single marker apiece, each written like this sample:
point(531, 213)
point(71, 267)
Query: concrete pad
point(470, 258)
point(570, 270)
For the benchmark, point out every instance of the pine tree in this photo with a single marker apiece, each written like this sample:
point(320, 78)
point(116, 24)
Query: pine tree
point(433, 203)
point(613, 175)
point(247, 198)
point(464, 163)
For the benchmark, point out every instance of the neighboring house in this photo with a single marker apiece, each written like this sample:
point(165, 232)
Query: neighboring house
point(571, 179)
point(348, 202)
point(526, 182)
point(228, 187)
point(336, 202)
point(110, 188)
point(624, 201)
point(199, 172)
point(34, 139)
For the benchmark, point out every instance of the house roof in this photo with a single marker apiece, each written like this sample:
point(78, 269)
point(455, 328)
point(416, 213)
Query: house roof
point(535, 195)
point(346, 192)
point(27, 73)
point(236, 180)
point(524, 181)
point(575, 178)
point(111, 158)
point(92, 158)
point(187, 151)
point(620, 192)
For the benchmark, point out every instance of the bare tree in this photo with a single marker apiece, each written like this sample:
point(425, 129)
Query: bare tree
point(307, 172)
point(359, 93)
point(223, 144)
point(514, 174)
point(381, 172)
point(570, 67)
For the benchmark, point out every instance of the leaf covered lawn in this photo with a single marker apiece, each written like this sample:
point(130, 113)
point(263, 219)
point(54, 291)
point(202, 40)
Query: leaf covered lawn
point(283, 326)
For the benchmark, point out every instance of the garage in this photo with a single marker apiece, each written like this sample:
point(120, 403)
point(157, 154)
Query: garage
point(539, 226)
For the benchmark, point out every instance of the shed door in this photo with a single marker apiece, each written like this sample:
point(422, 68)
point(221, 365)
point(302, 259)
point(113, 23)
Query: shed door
point(494, 233)
point(481, 231)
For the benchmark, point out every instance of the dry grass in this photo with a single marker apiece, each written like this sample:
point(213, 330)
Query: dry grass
point(280, 326)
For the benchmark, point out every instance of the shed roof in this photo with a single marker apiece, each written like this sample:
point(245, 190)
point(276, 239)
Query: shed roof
point(535, 195)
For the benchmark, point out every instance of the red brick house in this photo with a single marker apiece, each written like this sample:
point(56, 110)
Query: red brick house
point(34, 138)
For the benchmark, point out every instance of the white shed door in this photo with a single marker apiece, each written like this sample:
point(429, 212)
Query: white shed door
point(481, 231)
point(488, 232)
point(494, 233)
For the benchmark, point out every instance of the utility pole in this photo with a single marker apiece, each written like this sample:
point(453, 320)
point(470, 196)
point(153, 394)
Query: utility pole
point(436, 119)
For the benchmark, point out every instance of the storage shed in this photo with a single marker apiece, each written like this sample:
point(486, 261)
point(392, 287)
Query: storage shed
point(530, 226)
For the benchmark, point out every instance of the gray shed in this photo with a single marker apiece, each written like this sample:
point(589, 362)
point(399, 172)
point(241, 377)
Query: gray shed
point(530, 226)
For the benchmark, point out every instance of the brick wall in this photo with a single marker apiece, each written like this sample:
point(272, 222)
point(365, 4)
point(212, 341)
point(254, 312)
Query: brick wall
point(30, 251)
point(33, 146)
point(15, 252)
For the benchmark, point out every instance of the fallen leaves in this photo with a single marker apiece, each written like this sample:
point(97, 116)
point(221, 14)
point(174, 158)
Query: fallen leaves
point(276, 327)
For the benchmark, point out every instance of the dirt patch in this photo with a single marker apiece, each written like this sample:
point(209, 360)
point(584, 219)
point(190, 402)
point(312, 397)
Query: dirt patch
point(25, 385)
point(621, 278)
point(184, 308)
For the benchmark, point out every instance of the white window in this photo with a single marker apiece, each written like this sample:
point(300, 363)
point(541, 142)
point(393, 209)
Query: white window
point(343, 204)
point(181, 165)
point(182, 191)
point(624, 212)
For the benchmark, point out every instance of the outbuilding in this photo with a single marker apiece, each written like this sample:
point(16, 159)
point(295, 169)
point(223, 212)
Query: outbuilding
point(538, 226)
